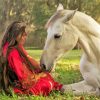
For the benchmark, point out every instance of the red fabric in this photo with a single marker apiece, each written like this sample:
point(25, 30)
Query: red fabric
point(43, 86)
point(32, 83)
point(5, 49)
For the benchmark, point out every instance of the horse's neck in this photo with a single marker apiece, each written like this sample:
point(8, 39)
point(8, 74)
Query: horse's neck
point(90, 47)
point(89, 36)
point(90, 44)
point(86, 24)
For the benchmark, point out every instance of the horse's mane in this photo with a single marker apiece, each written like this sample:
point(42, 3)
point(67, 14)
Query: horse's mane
point(81, 20)
point(53, 18)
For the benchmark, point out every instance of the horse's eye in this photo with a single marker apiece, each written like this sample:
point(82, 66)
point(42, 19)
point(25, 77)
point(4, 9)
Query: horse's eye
point(56, 36)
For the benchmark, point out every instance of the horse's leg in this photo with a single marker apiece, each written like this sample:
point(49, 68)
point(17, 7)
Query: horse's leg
point(80, 88)
point(91, 83)
point(92, 80)
point(90, 73)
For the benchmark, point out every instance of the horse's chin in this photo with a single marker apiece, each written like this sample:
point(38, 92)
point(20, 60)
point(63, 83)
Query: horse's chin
point(50, 69)
point(47, 70)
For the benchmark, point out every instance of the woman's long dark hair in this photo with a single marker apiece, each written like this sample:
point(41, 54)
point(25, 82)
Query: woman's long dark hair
point(12, 31)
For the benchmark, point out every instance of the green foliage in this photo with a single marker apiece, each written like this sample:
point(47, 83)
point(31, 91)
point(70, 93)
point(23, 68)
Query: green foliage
point(37, 12)
point(92, 8)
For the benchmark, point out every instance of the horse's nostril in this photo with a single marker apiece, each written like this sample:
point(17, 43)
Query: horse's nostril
point(43, 67)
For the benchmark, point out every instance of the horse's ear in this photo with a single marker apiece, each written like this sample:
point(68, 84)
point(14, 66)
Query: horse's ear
point(69, 15)
point(60, 7)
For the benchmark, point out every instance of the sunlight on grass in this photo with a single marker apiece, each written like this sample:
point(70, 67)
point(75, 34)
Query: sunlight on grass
point(66, 72)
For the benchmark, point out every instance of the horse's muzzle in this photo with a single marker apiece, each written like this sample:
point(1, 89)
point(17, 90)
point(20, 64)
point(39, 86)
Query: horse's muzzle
point(43, 67)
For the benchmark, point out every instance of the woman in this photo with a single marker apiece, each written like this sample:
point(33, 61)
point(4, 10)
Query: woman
point(23, 72)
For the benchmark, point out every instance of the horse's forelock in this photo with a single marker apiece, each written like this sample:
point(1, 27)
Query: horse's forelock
point(53, 18)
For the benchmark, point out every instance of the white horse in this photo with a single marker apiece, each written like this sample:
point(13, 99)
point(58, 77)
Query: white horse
point(65, 29)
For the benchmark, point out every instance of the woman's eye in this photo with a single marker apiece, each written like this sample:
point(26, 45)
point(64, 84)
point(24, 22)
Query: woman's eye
point(56, 36)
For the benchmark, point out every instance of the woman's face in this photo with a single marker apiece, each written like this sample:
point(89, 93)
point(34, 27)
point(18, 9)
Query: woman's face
point(21, 38)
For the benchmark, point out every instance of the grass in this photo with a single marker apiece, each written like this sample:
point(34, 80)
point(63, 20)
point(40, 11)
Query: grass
point(66, 72)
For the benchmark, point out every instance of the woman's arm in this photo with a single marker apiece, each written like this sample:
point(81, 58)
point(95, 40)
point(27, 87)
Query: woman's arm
point(17, 65)
point(33, 61)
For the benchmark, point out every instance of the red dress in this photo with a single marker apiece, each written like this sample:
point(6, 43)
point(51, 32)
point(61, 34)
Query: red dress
point(31, 81)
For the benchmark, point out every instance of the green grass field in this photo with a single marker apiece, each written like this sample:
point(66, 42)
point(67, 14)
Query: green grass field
point(66, 72)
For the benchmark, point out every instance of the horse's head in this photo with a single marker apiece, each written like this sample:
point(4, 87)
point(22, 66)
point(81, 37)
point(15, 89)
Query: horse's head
point(61, 37)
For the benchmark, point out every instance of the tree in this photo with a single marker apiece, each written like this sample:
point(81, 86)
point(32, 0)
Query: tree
point(36, 13)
